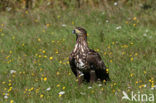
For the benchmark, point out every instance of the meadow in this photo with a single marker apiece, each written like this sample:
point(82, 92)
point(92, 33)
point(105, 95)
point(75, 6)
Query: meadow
point(35, 46)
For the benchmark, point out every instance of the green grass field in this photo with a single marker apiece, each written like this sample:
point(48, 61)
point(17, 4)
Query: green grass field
point(35, 46)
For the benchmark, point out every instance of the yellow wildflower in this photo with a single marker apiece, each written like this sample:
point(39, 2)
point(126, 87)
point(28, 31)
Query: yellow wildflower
point(43, 51)
point(3, 82)
point(58, 16)
point(126, 22)
point(2, 25)
point(104, 81)
point(63, 87)
point(9, 84)
point(73, 23)
point(45, 79)
point(26, 12)
point(69, 73)
point(39, 56)
point(136, 54)
point(92, 91)
point(60, 62)
point(10, 52)
point(132, 59)
point(13, 37)
point(131, 74)
point(11, 101)
point(110, 61)
point(123, 53)
point(134, 18)
point(39, 39)
point(102, 89)
point(58, 85)
point(134, 25)
point(43, 31)
point(67, 62)
point(51, 58)
point(47, 25)
point(41, 96)
point(60, 95)
point(9, 89)
point(41, 69)
point(57, 73)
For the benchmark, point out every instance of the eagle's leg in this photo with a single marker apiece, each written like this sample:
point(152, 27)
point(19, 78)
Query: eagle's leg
point(92, 76)
point(80, 77)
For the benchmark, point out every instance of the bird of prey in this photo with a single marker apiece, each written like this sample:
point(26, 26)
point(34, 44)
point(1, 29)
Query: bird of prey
point(85, 63)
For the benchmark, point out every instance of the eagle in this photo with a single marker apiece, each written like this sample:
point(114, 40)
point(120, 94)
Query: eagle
point(85, 63)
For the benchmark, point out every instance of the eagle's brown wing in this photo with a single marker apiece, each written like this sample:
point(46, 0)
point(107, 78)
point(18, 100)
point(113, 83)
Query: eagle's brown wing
point(95, 63)
point(72, 65)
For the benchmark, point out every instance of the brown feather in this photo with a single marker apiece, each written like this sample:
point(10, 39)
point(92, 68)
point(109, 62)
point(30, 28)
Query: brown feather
point(84, 60)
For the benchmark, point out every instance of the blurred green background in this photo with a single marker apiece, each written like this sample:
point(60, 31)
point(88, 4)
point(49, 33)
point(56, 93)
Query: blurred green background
point(36, 41)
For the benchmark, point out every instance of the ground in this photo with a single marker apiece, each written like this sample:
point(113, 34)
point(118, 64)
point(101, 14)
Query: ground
point(35, 46)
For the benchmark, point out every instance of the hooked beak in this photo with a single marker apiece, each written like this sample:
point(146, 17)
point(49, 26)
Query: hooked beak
point(73, 31)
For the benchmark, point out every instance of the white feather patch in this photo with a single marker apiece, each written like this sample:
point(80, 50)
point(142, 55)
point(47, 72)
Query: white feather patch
point(75, 47)
point(80, 64)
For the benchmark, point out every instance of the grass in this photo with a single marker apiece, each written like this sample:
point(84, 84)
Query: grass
point(37, 44)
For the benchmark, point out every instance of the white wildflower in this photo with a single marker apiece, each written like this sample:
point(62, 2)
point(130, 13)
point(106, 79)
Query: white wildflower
point(12, 71)
point(89, 87)
point(82, 93)
point(118, 27)
point(48, 89)
point(48, 3)
point(150, 37)
point(100, 85)
point(62, 92)
point(115, 3)
point(107, 21)
point(144, 34)
point(5, 97)
point(8, 8)
point(64, 25)
point(129, 87)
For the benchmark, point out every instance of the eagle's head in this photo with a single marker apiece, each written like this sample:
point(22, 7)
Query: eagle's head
point(80, 32)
